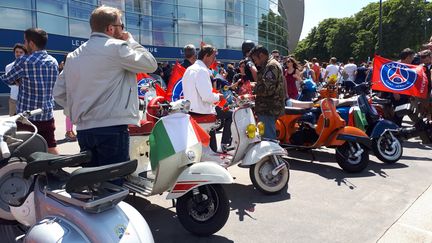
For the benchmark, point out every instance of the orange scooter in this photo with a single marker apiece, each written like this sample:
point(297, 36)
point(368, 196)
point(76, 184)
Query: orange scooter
point(298, 129)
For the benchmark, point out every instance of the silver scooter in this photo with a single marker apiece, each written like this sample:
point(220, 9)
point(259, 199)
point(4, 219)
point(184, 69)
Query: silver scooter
point(40, 202)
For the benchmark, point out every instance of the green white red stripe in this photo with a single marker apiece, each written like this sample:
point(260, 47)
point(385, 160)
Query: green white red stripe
point(173, 134)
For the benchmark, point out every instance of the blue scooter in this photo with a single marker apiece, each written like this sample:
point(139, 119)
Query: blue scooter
point(385, 143)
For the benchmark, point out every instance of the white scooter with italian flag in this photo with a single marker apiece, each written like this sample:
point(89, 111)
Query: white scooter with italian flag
point(168, 150)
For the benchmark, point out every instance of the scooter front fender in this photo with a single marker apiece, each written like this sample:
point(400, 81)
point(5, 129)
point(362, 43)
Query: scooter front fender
point(352, 134)
point(381, 126)
point(198, 174)
point(261, 150)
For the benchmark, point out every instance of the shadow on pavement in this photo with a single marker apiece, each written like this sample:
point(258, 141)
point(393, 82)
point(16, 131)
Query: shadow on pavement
point(164, 224)
point(417, 145)
point(415, 158)
point(244, 199)
point(338, 175)
point(312, 155)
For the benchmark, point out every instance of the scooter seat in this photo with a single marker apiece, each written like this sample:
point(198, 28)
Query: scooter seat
point(346, 102)
point(145, 128)
point(295, 111)
point(83, 178)
point(203, 118)
point(40, 162)
point(380, 101)
point(301, 104)
point(403, 110)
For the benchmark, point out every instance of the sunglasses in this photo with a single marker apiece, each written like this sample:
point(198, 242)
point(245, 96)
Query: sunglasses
point(119, 25)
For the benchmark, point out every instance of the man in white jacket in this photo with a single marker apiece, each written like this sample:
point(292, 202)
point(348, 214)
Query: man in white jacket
point(98, 88)
point(197, 85)
point(197, 88)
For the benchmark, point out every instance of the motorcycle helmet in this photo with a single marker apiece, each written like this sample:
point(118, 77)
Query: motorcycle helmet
point(308, 92)
point(309, 85)
point(247, 46)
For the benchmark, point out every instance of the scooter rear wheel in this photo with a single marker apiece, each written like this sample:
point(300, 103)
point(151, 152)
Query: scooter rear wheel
point(205, 213)
point(349, 161)
point(388, 153)
point(263, 180)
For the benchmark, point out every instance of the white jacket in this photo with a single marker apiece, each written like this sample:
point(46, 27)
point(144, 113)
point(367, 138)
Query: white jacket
point(197, 88)
point(98, 87)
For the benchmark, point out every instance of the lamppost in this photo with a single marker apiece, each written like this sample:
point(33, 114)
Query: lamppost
point(426, 24)
point(380, 29)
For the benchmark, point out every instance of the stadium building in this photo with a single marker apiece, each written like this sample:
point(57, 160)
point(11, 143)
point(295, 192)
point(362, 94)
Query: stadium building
point(162, 26)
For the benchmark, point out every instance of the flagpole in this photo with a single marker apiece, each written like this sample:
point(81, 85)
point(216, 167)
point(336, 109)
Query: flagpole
point(380, 29)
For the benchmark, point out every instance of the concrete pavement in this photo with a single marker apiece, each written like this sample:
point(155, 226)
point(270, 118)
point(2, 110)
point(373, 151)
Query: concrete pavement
point(386, 203)
point(415, 224)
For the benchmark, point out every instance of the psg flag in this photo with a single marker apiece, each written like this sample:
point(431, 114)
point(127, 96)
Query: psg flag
point(175, 85)
point(143, 80)
point(400, 78)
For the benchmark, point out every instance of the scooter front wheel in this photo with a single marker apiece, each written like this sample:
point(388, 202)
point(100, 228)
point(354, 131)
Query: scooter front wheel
point(352, 157)
point(203, 211)
point(387, 148)
point(263, 179)
point(13, 187)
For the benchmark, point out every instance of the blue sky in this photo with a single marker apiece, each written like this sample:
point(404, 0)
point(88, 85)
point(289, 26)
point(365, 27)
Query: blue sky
point(318, 10)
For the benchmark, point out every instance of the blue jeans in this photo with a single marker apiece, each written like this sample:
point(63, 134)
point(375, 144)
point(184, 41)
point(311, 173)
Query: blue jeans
point(269, 124)
point(108, 145)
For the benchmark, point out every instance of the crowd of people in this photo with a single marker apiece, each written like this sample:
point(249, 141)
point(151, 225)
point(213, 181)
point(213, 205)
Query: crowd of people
point(96, 83)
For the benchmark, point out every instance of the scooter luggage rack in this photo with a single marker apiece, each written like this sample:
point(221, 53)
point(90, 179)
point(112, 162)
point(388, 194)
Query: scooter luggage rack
point(85, 187)
point(107, 196)
point(140, 184)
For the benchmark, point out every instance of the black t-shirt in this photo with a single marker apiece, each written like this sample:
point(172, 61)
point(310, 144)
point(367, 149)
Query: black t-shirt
point(230, 75)
point(248, 66)
point(236, 77)
point(186, 63)
point(361, 74)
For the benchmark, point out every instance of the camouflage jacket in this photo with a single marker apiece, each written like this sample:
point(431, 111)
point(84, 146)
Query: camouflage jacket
point(270, 90)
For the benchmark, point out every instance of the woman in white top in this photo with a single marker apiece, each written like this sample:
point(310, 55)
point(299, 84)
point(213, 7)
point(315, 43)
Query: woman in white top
point(19, 50)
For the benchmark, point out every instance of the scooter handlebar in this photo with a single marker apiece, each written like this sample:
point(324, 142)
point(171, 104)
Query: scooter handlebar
point(4, 149)
point(35, 112)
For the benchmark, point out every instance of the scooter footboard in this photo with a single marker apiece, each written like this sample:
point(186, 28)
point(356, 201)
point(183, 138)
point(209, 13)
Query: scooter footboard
point(199, 174)
point(351, 134)
point(261, 150)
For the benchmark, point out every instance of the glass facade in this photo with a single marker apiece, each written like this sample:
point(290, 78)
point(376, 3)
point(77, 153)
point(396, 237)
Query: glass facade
point(169, 23)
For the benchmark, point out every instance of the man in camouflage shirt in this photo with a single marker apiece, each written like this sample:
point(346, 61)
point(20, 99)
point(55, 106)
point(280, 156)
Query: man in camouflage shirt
point(269, 90)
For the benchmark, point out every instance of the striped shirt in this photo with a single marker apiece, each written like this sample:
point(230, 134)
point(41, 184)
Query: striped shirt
point(37, 74)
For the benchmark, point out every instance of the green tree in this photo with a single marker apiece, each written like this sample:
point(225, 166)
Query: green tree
point(404, 25)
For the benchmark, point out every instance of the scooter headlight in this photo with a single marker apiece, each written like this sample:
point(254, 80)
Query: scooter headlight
point(251, 131)
point(261, 128)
